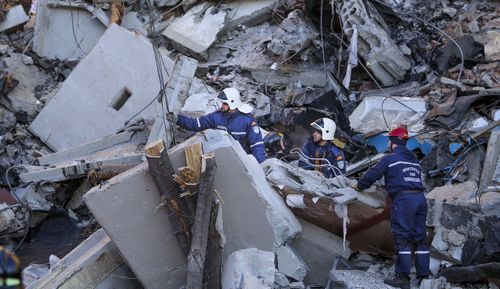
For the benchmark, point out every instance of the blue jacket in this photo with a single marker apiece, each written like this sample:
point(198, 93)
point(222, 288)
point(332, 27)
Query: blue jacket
point(330, 152)
point(401, 171)
point(242, 127)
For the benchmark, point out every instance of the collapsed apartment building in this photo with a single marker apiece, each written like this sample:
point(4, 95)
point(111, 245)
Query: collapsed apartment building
point(97, 190)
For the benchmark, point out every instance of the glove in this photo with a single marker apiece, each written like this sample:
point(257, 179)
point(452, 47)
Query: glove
point(172, 117)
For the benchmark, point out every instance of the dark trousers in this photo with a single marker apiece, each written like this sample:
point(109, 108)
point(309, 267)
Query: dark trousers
point(408, 215)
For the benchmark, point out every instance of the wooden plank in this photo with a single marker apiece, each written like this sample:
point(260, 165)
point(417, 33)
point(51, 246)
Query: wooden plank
point(198, 252)
point(163, 173)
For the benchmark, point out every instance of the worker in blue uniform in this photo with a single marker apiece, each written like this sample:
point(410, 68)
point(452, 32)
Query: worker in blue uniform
point(322, 154)
point(402, 173)
point(234, 117)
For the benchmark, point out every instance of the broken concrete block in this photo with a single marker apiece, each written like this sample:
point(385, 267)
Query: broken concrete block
point(491, 41)
point(453, 214)
point(124, 149)
point(107, 88)
point(196, 30)
point(354, 279)
point(318, 249)
point(65, 32)
point(368, 116)
point(29, 76)
point(126, 206)
point(85, 149)
point(268, 223)
point(290, 264)
point(383, 57)
point(15, 18)
point(248, 269)
point(131, 22)
point(294, 34)
point(84, 267)
point(248, 12)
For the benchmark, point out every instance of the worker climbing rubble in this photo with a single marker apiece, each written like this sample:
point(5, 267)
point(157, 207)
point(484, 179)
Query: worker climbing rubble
point(234, 116)
point(319, 151)
point(402, 173)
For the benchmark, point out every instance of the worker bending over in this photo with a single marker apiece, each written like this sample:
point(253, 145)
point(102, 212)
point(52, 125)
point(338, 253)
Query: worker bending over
point(234, 117)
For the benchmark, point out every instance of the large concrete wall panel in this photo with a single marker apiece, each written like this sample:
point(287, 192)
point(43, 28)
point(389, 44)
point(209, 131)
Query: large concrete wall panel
point(82, 110)
point(64, 32)
point(126, 207)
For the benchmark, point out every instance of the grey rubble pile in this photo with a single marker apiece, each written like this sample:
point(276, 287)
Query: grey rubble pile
point(81, 99)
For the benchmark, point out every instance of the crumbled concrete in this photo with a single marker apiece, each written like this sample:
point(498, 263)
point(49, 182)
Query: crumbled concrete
point(293, 35)
point(290, 264)
point(63, 32)
point(452, 212)
point(268, 223)
point(127, 208)
point(248, 269)
point(196, 30)
point(355, 279)
point(249, 12)
point(367, 117)
point(29, 76)
point(382, 55)
point(15, 18)
point(281, 281)
point(96, 91)
point(318, 249)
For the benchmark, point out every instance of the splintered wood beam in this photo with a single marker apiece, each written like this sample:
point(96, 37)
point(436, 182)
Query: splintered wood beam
point(162, 172)
point(193, 157)
point(201, 225)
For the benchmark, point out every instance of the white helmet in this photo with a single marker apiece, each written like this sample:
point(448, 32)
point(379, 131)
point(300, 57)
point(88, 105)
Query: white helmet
point(232, 97)
point(326, 126)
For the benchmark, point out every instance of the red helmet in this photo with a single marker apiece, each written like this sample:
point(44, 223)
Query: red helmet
point(400, 132)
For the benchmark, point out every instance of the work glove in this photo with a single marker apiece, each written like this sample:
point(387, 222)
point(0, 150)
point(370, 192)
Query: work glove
point(172, 117)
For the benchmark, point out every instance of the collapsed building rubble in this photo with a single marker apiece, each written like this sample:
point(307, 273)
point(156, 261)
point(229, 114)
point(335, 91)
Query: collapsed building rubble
point(85, 86)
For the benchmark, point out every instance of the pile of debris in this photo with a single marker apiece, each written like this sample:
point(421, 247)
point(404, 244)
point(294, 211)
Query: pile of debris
point(91, 171)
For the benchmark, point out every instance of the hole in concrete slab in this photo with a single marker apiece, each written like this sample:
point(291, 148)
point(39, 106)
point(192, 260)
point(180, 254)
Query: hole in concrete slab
point(122, 98)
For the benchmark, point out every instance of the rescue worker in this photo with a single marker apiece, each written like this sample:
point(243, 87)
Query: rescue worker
point(402, 173)
point(234, 117)
point(10, 270)
point(325, 156)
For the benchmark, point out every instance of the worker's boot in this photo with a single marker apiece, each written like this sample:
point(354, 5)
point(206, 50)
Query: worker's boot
point(401, 280)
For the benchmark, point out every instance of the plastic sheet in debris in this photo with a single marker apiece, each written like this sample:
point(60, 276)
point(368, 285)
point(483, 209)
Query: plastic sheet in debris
point(380, 142)
point(380, 113)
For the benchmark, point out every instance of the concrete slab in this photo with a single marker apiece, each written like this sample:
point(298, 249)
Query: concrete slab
point(77, 169)
point(85, 149)
point(318, 249)
point(121, 278)
point(132, 22)
point(490, 173)
point(249, 12)
point(106, 89)
point(267, 223)
point(63, 32)
point(84, 267)
point(126, 207)
point(249, 269)
point(15, 18)
point(197, 30)
point(290, 264)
